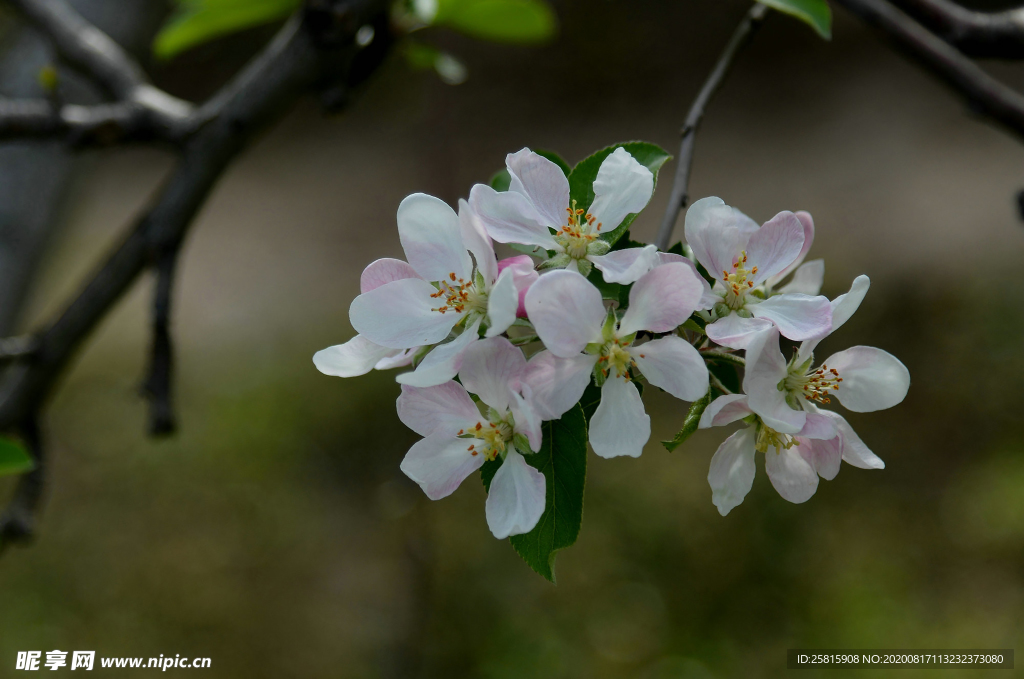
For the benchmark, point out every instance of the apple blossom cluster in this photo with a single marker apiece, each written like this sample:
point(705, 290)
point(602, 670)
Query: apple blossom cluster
point(501, 350)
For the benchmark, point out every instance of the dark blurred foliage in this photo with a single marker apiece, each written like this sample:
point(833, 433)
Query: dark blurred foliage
point(276, 534)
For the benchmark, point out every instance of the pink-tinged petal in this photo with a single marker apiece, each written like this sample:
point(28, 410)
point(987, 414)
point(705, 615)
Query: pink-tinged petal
point(515, 501)
point(528, 420)
point(732, 470)
point(432, 239)
point(791, 474)
point(717, 233)
point(510, 217)
point(477, 242)
point(872, 379)
point(853, 448)
point(843, 307)
point(399, 359)
point(825, 456)
point(627, 265)
point(766, 367)
point(673, 364)
point(439, 463)
point(542, 182)
point(707, 299)
point(619, 426)
point(808, 223)
point(725, 410)
point(622, 187)
point(502, 304)
point(734, 331)
point(523, 274)
point(443, 361)
point(798, 317)
point(399, 315)
point(775, 246)
point(384, 271)
point(355, 357)
point(818, 426)
point(807, 279)
point(491, 368)
point(446, 408)
point(557, 383)
point(567, 312)
point(662, 299)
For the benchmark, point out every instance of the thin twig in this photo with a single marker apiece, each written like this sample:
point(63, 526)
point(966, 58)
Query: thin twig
point(158, 385)
point(18, 348)
point(985, 94)
point(998, 35)
point(722, 357)
point(680, 186)
point(77, 126)
point(717, 384)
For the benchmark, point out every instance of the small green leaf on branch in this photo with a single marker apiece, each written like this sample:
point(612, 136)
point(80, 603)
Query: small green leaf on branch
point(814, 13)
point(690, 423)
point(14, 459)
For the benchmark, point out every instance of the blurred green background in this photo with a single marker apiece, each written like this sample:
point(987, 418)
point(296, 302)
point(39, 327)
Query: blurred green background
point(275, 533)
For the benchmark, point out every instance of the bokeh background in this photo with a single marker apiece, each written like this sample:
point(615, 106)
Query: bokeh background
point(275, 533)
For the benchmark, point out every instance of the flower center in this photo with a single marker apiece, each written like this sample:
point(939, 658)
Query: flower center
point(615, 360)
point(812, 385)
point(768, 437)
point(490, 439)
point(738, 283)
point(460, 295)
point(578, 233)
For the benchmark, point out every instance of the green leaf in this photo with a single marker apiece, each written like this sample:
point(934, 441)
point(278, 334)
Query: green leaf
point(199, 21)
point(511, 21)
point(727, 373)
point(690, 423)
point(581, 181)
point(501, 180)
point(13, 458)
point(563, 461)
point(814, 13)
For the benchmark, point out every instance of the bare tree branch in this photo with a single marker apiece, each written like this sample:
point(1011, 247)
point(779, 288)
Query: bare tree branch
point(985, 94)
point(998, 35)
point(158, 385)
point(81, 126)
point(680, 185)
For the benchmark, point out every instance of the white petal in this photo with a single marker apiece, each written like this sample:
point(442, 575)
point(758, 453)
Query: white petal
point(766, 367)
point(732, 470)
point(622, 187)
point(355, 357)
point(619, 426)
point(853, 448)
point(557, 383)
point(662, 299)
point(626, 265)
point(872, 379)
point(502, 303)
point(775, 246)
point(399, 359)
point(717, 233)
point(843, 307)
point(432, 239)
point(445, 408)
point(510, 217)
point(515, 501)
point(439, 463)
point(528, 420)
point(798, 317)
point(673, 364)
point(724, 410)
point(399, 315)
point(808, 223)
point(807, 279)
point(385, 271)
point(791, 474)
point(736, 332)
point(825, 456)
point(707, 299)
point(567, 311)
point(818, 426)
point(491, 368)
point(477, 241)
point(542, 182)
point(443, 361)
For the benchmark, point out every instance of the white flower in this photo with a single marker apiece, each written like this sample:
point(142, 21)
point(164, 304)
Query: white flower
point(537, 203)
point(807, 276)
point(743, 257)
point(570, 318)
point(359, 355)
point(451, 290)
point(458, 440)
